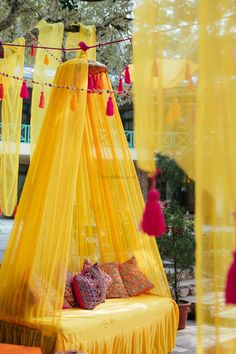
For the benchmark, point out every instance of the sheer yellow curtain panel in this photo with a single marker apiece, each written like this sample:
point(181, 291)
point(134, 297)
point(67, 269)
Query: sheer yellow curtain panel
point(81, 199)
point(11, 111)
point(86, 34)
point(164, 99)
point(46, 63)
point(215, 174)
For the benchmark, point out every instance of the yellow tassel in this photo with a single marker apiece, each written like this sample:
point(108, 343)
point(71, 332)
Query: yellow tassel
point(74, 103)
point(46, 60)
point(176, 109)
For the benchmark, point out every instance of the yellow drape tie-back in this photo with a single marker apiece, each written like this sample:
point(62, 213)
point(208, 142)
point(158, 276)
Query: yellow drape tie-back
point(12, 64)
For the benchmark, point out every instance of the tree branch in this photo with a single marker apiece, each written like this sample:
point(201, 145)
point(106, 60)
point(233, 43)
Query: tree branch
point(12, 15)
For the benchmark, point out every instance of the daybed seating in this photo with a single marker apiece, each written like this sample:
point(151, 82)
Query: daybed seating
point(142, 324)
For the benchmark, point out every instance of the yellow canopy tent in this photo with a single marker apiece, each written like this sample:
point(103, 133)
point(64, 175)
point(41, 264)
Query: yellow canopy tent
point(81, 199)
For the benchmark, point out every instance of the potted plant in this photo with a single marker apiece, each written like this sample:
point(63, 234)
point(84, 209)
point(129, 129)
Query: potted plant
point(177, 246)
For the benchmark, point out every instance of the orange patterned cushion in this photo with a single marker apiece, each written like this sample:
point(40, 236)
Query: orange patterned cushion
point(134, 280)
point(116, 289)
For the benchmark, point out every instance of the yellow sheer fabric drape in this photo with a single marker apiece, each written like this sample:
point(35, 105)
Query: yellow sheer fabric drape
point(164, 99)
point(81, 199)
point(86, 34)
point(215, 172)
point(50, 35)
point(11, 64)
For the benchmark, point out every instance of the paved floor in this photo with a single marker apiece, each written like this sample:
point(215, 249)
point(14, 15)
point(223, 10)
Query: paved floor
point(186, 341)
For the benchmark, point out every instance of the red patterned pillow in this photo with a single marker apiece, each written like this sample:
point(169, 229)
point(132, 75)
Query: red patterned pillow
point(117, 289)
point(134, 280)
point(89, 288)
point(107, 279)
point(69, 298)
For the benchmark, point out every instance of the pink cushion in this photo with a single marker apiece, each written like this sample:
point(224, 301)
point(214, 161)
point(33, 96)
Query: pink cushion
point(89, 288)
point(117, 289)
point(69, 298)
point(134, 280)
point(107, 279)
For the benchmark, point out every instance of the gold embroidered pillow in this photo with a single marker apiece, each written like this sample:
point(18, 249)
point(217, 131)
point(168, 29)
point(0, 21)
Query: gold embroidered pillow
point(116, 289)
point(134, 280)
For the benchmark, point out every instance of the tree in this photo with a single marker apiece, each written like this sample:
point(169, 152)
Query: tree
point(113, 19)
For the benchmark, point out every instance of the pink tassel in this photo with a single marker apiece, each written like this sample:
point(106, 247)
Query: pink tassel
point(230, 290)
point(24, 92)
point(120, 86)
point(32, 51)
point(90, 83)
point(127, 75)
point(110, 107)
point(1, 91)
point(42, 100)
point(153, 222)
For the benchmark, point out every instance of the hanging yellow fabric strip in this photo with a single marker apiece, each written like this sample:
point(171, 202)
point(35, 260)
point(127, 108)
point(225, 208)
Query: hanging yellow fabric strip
point(12, 64)
point(163, 101)
point(46, 63)
point(215, 174)
point(86, 34)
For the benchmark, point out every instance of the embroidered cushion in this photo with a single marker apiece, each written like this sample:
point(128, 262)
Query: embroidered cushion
point(107, 279)
point(89, 288)
point(134, 280)
point(69, 298)
point(116, 289)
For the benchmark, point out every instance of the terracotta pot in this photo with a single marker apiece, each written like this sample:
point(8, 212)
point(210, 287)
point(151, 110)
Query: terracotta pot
point(183, 313)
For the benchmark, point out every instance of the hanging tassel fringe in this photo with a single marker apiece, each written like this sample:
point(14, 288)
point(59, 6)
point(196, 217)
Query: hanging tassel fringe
point(90, 83)
point(127, 75)
point(46, 60)
point(120, 86)
point(42, 100)
point(230, 290)
point(153, 222)
point(32, 51)
point(24, 92)
point(110, 107)
point(74, 103)
point(1, 91)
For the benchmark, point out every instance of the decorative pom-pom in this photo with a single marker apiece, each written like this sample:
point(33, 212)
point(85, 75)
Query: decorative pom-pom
point(32, 51)
point(110, 107)
point(83, 46)
point(1, 91)
point(42, 100)
point(230, 290)
point(74, 103)
point(90, 83)
point(153, 222)
point(127, 75)
point(120, 86)
point(46, 59)
point(24, 92)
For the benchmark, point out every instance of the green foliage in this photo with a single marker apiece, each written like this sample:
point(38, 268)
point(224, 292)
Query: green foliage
point(69, 4)
point(177, 245)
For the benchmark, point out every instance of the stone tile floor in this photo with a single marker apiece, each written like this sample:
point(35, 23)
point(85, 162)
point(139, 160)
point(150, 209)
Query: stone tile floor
point(186, 341)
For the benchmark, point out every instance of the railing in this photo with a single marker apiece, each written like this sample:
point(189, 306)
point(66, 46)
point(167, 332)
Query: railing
point(25, 135)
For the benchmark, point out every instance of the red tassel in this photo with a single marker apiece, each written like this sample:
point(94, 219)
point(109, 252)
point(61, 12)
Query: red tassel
point(120, 86)
point(32, 51)
point(24, 92)
point(230, 290)
point(42, 100)
point(90, 83)
point(153, 222)
point(127, 75)
point(1, 91)
point(110, 107)
point(83, 46)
